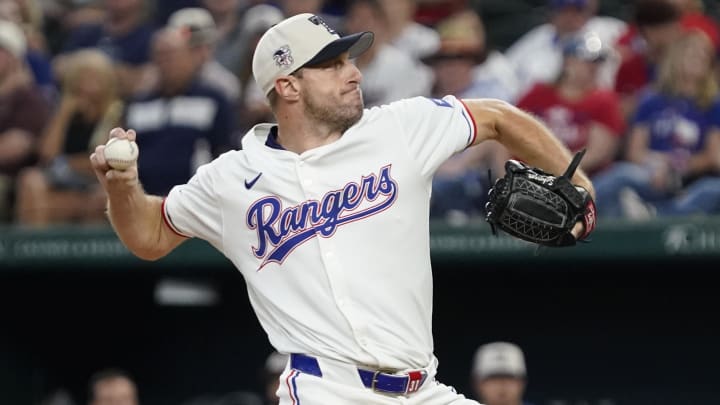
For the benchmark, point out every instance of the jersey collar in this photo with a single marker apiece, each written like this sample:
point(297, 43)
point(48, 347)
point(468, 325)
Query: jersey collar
point(272, 141)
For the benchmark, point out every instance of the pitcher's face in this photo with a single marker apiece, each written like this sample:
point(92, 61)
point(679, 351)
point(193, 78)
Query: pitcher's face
point(331, 92)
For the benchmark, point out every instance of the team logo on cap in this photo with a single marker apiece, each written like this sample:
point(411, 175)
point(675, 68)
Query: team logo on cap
point(319, 21)
point(283, 57)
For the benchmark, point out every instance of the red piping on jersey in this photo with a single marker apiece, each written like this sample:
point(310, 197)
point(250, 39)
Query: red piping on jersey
point(167, 220)
point(474, 128)
point(292, 394)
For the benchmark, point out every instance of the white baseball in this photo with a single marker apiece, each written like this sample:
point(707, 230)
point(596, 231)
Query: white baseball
point(120, 153)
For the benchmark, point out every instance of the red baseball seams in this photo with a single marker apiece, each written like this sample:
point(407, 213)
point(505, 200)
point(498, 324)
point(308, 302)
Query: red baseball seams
point(120, 159)
point(114, 160)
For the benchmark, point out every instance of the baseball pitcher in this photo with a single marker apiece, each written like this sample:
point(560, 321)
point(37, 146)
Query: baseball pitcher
point(326, 215)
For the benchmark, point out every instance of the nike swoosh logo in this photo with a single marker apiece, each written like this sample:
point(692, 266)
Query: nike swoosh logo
point(250, 184)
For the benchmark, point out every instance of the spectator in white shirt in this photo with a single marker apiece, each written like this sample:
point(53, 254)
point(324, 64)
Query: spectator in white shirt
point(407, 34)
point(389, 74)
point(537, 55)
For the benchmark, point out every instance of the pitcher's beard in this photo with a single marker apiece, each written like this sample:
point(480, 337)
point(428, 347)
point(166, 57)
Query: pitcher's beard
point(337, 117)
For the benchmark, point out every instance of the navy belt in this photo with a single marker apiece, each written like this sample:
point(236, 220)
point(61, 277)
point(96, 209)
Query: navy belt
point(373, 379)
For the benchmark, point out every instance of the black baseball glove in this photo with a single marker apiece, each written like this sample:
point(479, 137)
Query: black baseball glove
point(539, 207)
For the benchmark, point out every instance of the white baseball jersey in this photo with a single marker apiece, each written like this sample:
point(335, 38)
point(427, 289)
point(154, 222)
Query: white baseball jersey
point(334, 243)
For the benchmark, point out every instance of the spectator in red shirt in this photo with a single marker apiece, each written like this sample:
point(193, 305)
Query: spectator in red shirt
point(578, 112)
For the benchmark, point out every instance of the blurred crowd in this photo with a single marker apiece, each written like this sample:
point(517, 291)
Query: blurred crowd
point(638, 90)
point(118, 386)
point(498, 376)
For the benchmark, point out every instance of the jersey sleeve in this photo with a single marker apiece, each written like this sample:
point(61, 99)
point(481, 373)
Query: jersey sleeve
point(434, 129)
point(192, 209)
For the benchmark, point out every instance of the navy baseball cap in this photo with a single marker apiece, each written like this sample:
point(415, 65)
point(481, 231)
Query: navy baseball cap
point(301, 40)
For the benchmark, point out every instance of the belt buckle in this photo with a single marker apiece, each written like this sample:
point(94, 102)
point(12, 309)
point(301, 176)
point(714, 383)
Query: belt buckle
point(374, 380)
point(373, 384)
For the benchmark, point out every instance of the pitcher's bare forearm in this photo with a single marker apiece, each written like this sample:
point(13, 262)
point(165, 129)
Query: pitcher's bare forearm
point(135, 216)
point(137, 219)
point(524, 136)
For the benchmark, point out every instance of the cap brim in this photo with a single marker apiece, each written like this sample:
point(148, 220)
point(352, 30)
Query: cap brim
point(354, 44)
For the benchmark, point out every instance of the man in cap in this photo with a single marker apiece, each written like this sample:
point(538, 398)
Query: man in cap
point(579, 112)
point(461, 184)
point(537, 55)
point(185, 120)
point(325, 213)
point(201, 32)
point(499, 374)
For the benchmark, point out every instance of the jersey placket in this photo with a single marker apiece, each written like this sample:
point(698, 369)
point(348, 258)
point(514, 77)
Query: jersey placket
point(333, 268)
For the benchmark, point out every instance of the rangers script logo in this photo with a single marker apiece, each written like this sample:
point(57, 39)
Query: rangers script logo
point(283, 56)
point(280, 231)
